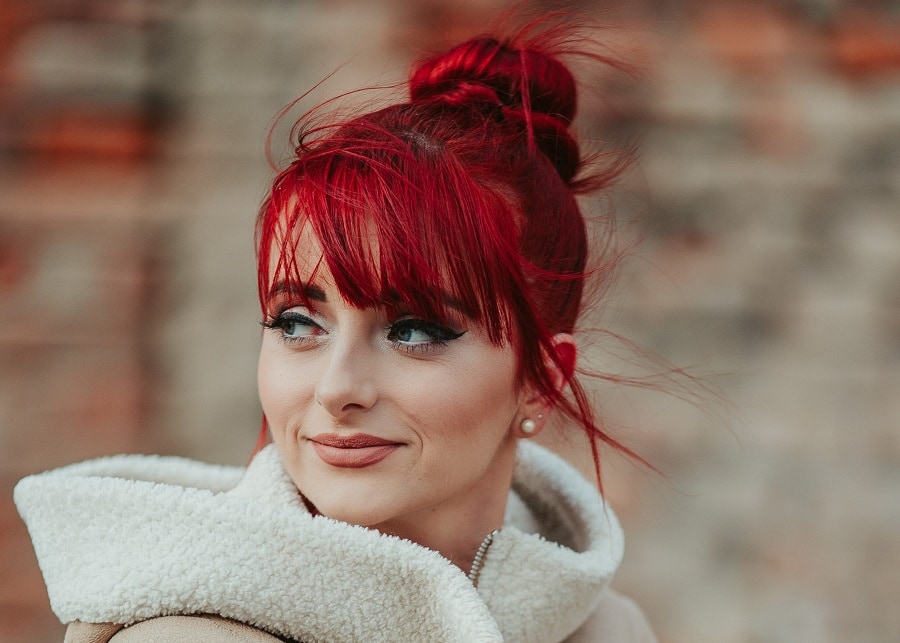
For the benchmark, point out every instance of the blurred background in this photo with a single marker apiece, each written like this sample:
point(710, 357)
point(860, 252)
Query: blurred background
point(768, 200)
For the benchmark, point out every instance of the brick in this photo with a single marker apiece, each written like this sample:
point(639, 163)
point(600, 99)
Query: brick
point(79, 135)
point(759, 38)
point(866, 45)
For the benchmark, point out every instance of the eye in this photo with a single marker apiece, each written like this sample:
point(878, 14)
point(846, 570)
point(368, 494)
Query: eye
point(421, 333)
point(294, 326)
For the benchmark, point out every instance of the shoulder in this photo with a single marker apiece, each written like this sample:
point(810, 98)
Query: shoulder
point(616, 619)
point(169, 629)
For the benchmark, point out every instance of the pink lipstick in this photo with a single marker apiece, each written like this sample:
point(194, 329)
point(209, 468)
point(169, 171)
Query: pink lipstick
point(352, 451)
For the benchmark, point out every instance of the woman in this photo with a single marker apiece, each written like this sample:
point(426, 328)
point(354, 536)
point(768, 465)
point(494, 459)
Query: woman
point(420, 275)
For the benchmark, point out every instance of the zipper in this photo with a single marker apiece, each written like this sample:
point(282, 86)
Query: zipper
point(480, 555)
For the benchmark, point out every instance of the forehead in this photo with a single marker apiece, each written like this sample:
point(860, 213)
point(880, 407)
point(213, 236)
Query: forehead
point(301, 265)
point(294, 249)
point(297, 252)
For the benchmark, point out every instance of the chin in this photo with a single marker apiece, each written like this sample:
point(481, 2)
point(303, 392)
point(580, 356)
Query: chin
point(354, 505)
point(351, 515)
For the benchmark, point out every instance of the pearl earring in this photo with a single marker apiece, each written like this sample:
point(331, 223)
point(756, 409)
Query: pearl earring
point(528, 426)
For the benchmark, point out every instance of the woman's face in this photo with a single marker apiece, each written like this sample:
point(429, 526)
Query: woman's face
point(387, 422)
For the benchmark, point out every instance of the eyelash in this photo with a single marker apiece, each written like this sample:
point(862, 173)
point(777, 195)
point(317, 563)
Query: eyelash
point(280, 322)
point(440, 336)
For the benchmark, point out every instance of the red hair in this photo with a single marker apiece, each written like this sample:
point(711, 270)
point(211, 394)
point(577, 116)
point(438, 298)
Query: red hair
point(463, 193)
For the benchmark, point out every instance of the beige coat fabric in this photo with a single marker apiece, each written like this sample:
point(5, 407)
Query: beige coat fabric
point(169, 629)
point(615, 619)
point(150, 543)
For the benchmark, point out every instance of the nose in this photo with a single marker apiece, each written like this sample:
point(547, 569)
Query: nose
point(346, 382)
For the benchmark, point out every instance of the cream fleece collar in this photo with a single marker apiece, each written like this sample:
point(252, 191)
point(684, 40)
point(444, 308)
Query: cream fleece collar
point(127, 538)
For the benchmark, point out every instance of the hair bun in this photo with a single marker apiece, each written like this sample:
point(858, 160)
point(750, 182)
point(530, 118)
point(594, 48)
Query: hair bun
point(520, 78)
point(534, 89)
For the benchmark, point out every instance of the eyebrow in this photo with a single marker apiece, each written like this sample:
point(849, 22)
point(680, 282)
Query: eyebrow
point(313, 293)
point(449, 300)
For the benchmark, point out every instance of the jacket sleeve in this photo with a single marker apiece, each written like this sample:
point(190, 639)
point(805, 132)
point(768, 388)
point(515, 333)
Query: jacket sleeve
point(616, 619)
point(79, 632)
point(169, 629)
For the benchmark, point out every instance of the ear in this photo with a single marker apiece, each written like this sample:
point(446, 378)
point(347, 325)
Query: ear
point(535, 409)
point(562, 368)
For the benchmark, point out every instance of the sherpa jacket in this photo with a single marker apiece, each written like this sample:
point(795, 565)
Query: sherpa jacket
point(146, 548)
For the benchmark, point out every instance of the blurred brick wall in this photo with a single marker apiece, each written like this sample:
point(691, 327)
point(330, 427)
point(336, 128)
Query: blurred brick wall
point(771, 170)
point(79, 137)
point(768, 195)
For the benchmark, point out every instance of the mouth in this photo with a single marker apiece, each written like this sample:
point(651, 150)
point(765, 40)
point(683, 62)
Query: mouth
point(352, 451)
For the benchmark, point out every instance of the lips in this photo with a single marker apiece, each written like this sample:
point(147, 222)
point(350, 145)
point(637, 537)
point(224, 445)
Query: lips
point(352, 451)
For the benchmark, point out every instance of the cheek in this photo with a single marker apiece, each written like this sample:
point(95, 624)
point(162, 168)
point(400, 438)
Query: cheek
point(268, 387)
point(281, 389)
point(476, 399)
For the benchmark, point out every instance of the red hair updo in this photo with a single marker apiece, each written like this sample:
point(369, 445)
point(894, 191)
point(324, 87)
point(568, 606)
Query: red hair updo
point(463, 195)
